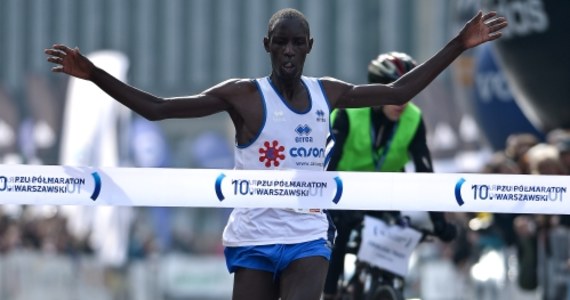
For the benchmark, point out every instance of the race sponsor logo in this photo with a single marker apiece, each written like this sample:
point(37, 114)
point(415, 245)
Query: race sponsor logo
point(49, 184)
point(307, 152)
point(278, 116)
point(303, 132)
point(508, 192)
point(263, 187)
point(321, 116)
point(271, 154)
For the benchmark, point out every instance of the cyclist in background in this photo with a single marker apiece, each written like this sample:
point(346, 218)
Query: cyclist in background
point(381, 139)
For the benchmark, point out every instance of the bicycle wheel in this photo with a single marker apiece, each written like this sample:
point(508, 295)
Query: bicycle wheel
point(355, 290)
point(386, 292)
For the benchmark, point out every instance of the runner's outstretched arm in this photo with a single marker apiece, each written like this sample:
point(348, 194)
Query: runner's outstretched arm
point(480, 29)
point(72, 62)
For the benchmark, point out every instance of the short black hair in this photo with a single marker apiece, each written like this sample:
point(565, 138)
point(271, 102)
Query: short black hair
point(287, 13)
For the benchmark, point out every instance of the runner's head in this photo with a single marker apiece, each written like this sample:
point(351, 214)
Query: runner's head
point(288, 42)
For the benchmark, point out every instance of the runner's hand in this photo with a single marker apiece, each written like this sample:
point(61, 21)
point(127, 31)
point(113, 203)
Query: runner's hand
point(69, 61)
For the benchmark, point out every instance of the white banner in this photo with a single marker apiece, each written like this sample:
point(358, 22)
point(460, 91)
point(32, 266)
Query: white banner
point(387, 247)
point(65, 185)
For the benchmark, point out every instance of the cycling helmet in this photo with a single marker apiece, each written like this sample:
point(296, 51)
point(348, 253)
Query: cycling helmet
point(388, 67)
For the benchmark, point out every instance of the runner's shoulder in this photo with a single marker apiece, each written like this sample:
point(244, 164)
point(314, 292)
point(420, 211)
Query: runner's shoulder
point(234, 88)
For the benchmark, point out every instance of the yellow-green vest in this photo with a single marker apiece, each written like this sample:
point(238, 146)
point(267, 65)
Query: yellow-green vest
point(357, 150)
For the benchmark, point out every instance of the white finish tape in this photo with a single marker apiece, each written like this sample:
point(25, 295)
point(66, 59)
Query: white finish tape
point(66, 185)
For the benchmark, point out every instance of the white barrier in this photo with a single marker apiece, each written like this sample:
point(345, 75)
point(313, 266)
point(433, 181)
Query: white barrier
point(65, 185)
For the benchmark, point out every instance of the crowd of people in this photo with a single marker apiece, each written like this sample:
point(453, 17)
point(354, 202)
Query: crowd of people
point(23, 230)
point(541, 241)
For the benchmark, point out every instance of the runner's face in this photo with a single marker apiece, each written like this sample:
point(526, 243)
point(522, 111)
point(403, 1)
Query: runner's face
point(288, 46)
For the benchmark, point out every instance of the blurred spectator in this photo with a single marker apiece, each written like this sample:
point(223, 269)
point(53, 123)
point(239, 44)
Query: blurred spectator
point(563, 147)
point(517, 145)
point(544, 159)
point(557, 135)
point(543, 239)
point(501, 225)
point(43, 233)
point(11, 235)
point(500, 163)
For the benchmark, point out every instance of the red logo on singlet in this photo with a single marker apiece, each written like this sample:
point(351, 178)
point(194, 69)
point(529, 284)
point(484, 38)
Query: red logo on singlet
point(271, 154)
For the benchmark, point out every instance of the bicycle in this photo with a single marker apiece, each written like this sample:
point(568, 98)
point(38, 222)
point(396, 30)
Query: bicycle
point(371, 280)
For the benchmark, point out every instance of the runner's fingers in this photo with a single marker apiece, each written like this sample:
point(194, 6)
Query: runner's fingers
point(496, 24)
point(64, 49)
point(55, 59)
point(55, 53)
point(489, 15)
point(57, 69)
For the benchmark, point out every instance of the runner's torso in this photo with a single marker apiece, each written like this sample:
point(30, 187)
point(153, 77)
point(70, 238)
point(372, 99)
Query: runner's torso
point(288, 139)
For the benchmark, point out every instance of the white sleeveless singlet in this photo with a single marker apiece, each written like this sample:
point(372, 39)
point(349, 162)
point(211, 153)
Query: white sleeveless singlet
point(287, 140)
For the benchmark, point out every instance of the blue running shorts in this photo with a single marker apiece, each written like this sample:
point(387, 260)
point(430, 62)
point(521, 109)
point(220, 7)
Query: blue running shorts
point(274, 258)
